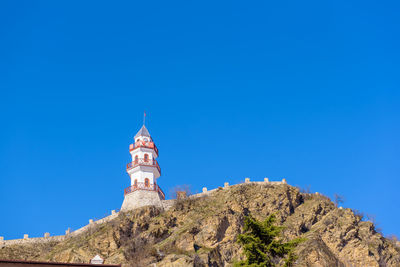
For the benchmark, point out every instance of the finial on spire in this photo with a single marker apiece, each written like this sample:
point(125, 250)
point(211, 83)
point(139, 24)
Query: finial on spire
point(144, 118)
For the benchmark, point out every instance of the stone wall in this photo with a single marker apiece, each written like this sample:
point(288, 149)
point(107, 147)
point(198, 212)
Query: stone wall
point(58, 238)
point(145, 198)
point(167, 204)
point(92, 223)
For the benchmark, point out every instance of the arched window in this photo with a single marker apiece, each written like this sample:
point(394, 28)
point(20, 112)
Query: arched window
point(136, 159)
point(135, 183)
point(146, 182)
point(146, 157)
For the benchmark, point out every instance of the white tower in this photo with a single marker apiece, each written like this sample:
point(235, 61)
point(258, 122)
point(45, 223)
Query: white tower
point(143, 171)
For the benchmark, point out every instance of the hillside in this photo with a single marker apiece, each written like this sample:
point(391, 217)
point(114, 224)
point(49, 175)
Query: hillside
point(202, 231)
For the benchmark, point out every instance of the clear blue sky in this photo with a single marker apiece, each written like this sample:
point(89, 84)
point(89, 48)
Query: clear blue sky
point(306, 90)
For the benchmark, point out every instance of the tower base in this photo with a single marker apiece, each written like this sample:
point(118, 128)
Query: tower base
point(141, 198)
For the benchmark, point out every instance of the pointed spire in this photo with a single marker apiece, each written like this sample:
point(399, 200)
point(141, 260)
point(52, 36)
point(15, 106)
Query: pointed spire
point(143, 132)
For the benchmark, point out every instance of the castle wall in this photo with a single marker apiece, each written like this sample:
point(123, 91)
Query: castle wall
point(57, 238)
point(132, 201)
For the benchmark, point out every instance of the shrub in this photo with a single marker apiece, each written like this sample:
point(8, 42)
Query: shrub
point(358, 214)
point(181, 190)
point(339, 199)
point(263, 246)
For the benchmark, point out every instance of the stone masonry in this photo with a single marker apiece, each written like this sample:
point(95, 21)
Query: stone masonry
point(146, 198)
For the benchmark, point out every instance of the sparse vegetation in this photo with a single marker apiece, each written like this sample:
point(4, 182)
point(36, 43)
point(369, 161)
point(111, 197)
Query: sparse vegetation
point(203, 231)
point(339, 199)
point(178, 191)
point(358, 214)
point(372, 218)
point(393, 238)
point(305, 190)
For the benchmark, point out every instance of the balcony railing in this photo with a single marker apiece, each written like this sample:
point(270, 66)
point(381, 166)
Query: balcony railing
point(143, 162)
point(150, 145)
point(143, 186)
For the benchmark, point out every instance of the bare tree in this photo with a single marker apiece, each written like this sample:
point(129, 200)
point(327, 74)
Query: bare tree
point(339, 199)
point(306, 189)
point(359, 214)
point(372, 218)
point(181, 191)
point(393, 237)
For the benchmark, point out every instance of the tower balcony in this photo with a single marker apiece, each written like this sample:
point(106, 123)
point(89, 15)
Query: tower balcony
point(143, 162)
point(144, 144)
point(144, 186)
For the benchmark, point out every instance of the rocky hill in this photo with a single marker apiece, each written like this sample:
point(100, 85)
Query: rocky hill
point(202, 231)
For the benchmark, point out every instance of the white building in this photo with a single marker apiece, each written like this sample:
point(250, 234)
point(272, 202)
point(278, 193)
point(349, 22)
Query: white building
point(97, 260)
point(143, 171)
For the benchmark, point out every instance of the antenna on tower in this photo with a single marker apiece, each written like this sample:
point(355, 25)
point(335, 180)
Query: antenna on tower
point(144, 118)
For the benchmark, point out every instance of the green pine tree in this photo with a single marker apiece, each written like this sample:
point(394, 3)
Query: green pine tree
point(263, 246)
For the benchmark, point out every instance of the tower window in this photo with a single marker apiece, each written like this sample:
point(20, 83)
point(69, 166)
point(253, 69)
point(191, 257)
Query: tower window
point(136, 159)
point(135, 183)
point(146, 182)
point(146, 157)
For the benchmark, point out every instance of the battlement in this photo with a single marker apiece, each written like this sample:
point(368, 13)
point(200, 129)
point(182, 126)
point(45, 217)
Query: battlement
point(166, 205)
point(205, 191)
point(47, 238)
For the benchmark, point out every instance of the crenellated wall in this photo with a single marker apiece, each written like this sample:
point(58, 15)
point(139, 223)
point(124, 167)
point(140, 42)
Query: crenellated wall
point(58, 238)
point(165, 204)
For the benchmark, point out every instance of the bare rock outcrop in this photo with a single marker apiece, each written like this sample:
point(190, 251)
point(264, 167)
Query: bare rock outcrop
point(202, 231)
